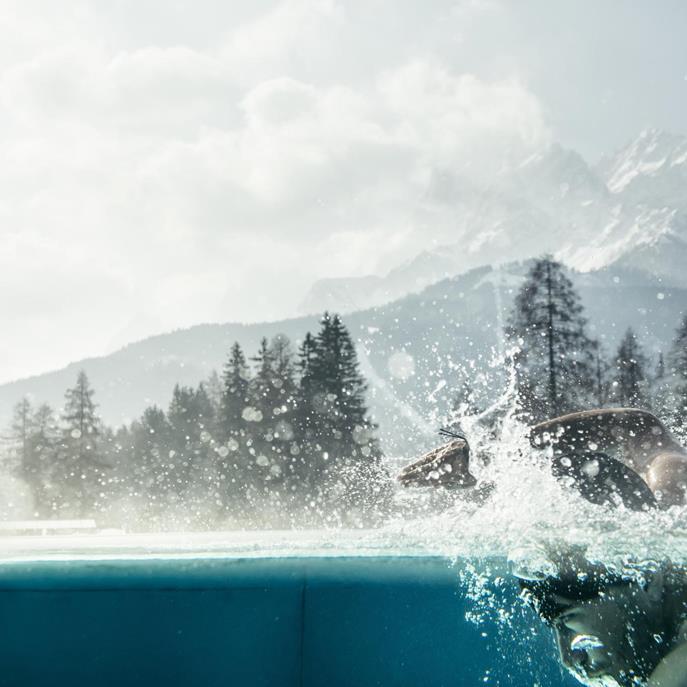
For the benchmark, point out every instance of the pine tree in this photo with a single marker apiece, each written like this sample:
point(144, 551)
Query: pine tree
point(555, 359)
point(305, 413)
point(153, 474)
point(305, 445)
point(264, 399)
point(630, 386)
point(214, 389)
point(21, 431)
point(35, 436)
point(79, 465)
point(661, 392)
point(262, 390)
point(677, 363)
point(285, 399)
point(234, 400)
point(44, 443)
point(191, 417)
point(121, 484)
point(602, 390)
point(345, 451)
point(234, 462)
point(25, 461)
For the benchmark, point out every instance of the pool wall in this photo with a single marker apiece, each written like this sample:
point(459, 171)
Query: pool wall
point(306, 622)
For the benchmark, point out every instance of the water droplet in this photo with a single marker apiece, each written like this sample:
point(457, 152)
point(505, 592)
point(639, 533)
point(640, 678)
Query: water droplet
point(401, 365)
point(591, 468)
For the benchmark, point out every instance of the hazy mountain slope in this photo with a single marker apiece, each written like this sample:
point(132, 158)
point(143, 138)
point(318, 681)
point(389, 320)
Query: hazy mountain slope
point(631, 211)
point(145, 372)
point(651, 170)
point(432, 334)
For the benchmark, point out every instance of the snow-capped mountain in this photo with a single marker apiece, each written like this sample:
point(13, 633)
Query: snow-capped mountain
point(652, 170)
point(629, 210)
point(647, 227)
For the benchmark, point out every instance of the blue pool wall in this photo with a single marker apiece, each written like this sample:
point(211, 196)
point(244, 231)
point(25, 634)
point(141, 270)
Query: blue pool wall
point(301, 622)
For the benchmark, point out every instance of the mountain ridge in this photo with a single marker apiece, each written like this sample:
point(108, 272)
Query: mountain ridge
point(552, 202)
point(451, 324)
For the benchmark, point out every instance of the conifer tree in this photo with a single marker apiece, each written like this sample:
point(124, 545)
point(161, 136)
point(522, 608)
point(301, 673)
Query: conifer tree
point(602, 390)
point(285, 399)
point(26, 462)
point(262, 390)
point(191, 417)
point(678, 372)
point(341, 428)
point(122, 479)
point(305, 413)
point(234, 400)
point(555, 359)
point(661, 392)
point(264, 400)
point(153, 461)
point(630, 386)
point(35, 435)
point(234, 462)
point(305, 445)
point(79, 466)
point(213, 388)
point(21, 431)
point(43, 448)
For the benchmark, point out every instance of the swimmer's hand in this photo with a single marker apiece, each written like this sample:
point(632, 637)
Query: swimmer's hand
point(446, 466)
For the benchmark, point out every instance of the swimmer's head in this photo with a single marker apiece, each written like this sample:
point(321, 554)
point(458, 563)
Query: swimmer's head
point(605, 626)
point(605, 640)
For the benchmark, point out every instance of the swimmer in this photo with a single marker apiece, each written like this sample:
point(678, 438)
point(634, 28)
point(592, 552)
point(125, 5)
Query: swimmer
point(610, 456)
point(615, 630)
point(615, 454)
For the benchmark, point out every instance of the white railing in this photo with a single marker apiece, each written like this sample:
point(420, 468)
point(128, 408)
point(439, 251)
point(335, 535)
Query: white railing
point(45, 526)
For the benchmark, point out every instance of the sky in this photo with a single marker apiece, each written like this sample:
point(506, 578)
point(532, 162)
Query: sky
point(170, 162)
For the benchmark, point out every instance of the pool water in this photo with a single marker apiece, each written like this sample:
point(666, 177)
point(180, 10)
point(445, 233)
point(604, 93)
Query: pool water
point(278, 620)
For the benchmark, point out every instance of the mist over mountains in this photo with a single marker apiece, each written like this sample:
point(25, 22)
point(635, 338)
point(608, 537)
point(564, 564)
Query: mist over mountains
point(630, 210)
point(434, 323)
point(415, 351)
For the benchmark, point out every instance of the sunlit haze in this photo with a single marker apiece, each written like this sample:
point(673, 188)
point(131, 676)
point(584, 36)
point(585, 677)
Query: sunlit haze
point(164, 164)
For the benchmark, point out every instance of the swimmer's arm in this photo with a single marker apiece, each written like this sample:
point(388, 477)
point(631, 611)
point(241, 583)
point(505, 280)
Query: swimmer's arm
point(672, 670)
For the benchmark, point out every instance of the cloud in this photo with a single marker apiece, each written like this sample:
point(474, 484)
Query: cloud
point(280, 39)
point(174, 183)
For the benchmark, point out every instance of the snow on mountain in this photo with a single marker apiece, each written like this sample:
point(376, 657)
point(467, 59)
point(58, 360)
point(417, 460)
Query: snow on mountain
point(651, 170)
point(648, 178)
point(630, 210)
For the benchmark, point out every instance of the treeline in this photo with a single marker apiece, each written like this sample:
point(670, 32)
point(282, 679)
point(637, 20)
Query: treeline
point(281, 439)
point(560, 368)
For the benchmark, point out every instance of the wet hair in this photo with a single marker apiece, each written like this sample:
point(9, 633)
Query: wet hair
point(553, 595)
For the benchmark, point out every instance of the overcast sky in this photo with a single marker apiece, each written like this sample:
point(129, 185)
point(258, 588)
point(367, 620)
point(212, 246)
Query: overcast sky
point(169, 162)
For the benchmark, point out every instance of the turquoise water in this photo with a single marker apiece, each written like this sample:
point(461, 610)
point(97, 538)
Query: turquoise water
point(427, 599)
point(114, 619)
